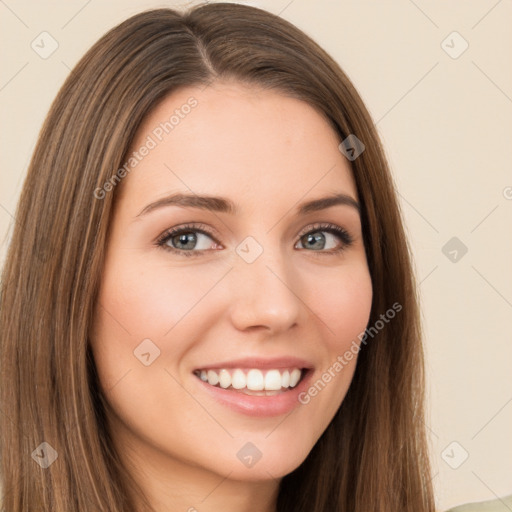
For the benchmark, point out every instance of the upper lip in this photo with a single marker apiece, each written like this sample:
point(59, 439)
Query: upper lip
point(259, 362)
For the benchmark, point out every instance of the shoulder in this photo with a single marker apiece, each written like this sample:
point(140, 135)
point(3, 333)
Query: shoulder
point(498, 505)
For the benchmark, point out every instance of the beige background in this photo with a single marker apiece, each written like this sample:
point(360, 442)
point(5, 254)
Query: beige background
point(447, 127)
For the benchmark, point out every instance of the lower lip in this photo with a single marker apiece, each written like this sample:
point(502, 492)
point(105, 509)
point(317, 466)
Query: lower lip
point(263, 406)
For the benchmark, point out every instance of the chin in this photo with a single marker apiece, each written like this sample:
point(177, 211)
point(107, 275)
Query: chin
point(261, 459)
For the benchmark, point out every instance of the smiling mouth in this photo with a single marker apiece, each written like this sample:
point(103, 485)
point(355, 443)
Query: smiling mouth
point(253, 381)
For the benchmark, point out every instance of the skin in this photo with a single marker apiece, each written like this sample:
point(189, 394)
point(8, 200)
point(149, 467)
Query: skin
point(267, 153)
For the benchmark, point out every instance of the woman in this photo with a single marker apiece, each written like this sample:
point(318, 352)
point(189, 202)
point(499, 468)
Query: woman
point(208, 301)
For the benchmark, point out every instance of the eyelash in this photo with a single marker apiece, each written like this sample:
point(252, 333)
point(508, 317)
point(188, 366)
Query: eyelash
point(161, 242)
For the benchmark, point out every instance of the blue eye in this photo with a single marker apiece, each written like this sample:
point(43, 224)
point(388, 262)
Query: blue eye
point(179, 240)
point(191, 239)
point(316, 237)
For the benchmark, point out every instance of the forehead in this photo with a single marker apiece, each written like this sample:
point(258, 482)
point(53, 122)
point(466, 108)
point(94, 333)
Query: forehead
point(256, 146)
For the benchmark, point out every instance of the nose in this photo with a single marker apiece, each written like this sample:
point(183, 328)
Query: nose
point(263, 295)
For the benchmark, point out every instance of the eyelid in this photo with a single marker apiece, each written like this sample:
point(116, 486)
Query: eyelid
point(324, 226)
point(199, 227)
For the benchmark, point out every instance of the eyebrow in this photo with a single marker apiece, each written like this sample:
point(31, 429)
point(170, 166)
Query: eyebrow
point(224, 205)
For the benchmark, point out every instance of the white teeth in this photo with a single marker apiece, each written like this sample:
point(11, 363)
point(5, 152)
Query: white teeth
point(294, 377)
point(255, 381)
point(252, 379)
point(224, 379)
point(273, 380)
point(213, 378)
point(239, 380)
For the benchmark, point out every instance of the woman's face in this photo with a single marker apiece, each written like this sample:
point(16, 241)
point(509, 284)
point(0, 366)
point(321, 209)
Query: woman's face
point(255, 298)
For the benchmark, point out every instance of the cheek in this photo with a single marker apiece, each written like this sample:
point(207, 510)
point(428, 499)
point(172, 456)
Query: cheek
point(148, 301)
point(141, 301)
point(138, 305)
point(344, 306)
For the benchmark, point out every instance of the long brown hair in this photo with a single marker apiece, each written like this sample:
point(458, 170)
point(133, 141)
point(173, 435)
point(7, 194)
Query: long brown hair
point(373, 456)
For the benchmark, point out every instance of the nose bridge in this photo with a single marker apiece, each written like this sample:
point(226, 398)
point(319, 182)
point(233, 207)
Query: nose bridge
point(263, 287)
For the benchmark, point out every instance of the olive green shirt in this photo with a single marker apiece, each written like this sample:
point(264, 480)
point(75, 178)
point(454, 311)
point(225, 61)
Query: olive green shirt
point(499, 505)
